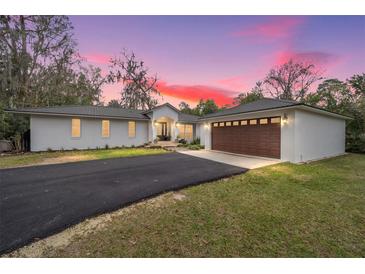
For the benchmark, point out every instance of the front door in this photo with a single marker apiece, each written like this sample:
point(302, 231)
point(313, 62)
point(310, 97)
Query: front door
point(164, 129)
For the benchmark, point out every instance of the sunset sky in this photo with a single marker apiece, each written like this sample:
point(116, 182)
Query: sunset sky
point(220, 56)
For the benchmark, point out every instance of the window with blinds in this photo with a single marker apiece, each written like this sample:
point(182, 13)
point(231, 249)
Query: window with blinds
point(105, 128)
point(185, 131)
point(131, 129)
point(75, 128)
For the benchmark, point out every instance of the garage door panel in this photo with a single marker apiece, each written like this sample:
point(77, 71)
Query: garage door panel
point(259, 140)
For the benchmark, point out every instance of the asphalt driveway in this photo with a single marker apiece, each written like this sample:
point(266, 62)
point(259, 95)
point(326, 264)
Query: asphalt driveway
point(38, 201)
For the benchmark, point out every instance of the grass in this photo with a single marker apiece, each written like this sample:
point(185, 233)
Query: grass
point(72, 156)
point(285, 210)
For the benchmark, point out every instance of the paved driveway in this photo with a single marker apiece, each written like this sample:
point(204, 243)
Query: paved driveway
point(41, 200)
point(244, 161)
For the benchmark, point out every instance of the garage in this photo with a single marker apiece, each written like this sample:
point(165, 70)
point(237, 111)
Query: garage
point(257, 137)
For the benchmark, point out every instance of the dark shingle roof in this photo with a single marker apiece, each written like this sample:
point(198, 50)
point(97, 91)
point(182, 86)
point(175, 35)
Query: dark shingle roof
point(183, 117)
point(90, 111)
point(262, 104)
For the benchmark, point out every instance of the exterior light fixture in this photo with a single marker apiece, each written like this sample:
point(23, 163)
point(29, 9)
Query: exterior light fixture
point(285, 119)
point(206, 125)
point(177, 124)
point(156, 123)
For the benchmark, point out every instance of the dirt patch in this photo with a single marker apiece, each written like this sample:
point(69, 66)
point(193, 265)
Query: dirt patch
point(179, 196)
point(66, 159)
point(48, 246)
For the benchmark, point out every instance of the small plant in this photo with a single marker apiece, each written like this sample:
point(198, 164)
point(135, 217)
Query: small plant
point(182, 141)
point(194, 147)
point(196, 141)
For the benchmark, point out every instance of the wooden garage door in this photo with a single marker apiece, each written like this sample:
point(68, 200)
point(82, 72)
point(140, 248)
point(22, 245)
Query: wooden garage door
point(259, 137)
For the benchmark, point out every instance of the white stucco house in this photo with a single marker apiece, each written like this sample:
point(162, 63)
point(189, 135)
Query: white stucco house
point(281, 129)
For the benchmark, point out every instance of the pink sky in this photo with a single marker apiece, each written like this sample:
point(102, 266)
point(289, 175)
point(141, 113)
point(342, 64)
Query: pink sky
point(217, 57)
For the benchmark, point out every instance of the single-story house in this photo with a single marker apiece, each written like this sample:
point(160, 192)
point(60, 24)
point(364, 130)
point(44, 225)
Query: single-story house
point(282, 129)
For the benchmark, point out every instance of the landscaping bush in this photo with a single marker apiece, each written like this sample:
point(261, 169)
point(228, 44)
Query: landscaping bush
point(196, 141)
point(195, 147)
point(182, 141)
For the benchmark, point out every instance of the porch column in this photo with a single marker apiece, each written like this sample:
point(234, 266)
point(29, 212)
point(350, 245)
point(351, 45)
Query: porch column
point(174, 132)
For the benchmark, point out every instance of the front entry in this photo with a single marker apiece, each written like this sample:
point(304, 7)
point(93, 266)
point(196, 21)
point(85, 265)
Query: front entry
point(162, 132)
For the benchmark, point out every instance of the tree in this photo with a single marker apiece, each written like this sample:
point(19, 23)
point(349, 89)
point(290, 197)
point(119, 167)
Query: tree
point(185, 108)
point(139, 89)
point(40, 66)
point(114, 103)
point(357, 83)
point(205, 107)
point(333, 95)
point(292, 80)
point(356, 127)
point(255, 94)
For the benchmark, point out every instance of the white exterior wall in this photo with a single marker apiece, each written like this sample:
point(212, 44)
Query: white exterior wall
point(318, 136)
point(196, 128)
point(52, 132)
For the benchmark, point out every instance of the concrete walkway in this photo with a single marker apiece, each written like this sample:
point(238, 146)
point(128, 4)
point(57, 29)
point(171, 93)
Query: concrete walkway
point(243, 161)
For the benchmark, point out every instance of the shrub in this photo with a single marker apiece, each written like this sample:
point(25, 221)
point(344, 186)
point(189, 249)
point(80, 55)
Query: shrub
point(194, 147)
point(106, 146)
point(196, 141)
point(49, 149)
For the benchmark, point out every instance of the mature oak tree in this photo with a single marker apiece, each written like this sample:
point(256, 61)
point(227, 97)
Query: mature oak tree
point(40, 66)
point(292, 80)
point(139, 88)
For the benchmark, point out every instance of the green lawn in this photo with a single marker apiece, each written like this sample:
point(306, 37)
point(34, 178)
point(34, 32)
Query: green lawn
point(286, 210)
point(72, 156)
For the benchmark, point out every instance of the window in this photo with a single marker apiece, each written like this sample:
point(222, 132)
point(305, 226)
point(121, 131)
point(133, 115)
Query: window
point(188, 132)
point(105, 128)
point(228, 124)
point(185, 131)
point(221, 124)
point(215, 124)
point(235, 123)
point(275, 120)
point(131, 129)
point(263, 121)
point(75, 128)
point(181, 129)
point(244, 123)
point(253, 122)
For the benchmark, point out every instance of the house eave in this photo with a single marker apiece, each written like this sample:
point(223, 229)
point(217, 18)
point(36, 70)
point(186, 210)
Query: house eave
point(298, 106)
point(74, 115)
